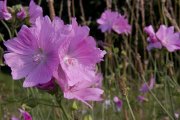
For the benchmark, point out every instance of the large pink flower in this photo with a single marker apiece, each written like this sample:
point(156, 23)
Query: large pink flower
point(78, 53)
point(33, 53)
point(35, 11)
point(78, 56)
point(4, 14)
point(113, 21)
point(169, 38)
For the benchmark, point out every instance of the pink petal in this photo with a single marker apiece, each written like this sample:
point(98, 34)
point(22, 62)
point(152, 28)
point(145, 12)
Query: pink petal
point(24, 44)
point(42, 74)
point(121, 25)
point(25, 114)
point(35, 11)
point(21, 65)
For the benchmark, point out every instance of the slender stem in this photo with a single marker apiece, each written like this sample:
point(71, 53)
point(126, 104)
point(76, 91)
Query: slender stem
point(51, 9)
point(61, 8)
point(170, 98)
point(64, 111)
point(82, 11)
point(130, 108)
point(69, 9)
point(59, 101)
point(1, 37)
point(39, 2)
point(158, 100)
point(73, 8)
point(8, 29)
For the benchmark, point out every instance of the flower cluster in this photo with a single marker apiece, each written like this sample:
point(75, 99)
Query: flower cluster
point(51, 50)
point(165, 36)
point(113, 21)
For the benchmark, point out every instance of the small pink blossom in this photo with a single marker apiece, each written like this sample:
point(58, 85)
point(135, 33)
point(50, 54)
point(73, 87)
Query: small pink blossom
point(118, 102)
point(146, 87)
point(21, 14)
point(152, 39)
point(113, 21)
point(176, 115)
point(25, 115)
point(121, 25)
point(4, 14)
point(107, 20)
point(165, 36)
point(142, 99)
point(169, 38)
point(14, 118)
point(35, 11)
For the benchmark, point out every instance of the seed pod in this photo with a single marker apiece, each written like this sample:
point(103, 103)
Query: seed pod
point(122, 85)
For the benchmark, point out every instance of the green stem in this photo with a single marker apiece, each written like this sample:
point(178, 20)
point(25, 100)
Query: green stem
point(59, 101)
point(130, 108)
point(64, 111)
point(39, 2)
point(1, 37)
point(8, 29)
point(170, 98)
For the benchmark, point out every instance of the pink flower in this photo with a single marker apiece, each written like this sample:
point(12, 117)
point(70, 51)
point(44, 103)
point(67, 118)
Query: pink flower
point(78, 53)
point(146, 87)
point(82, 90)
point(35, 11)
point(118, 102)
point(14, 118)
point(176, 115)
point(21, 14)
point(142, 99)
point(107, 20)
point(152, 39)
point(33, 53)
point(25, 115)
point(113, 21)
point(121, 25)
point(78, 56)
point(169, 38)
point(4, 14)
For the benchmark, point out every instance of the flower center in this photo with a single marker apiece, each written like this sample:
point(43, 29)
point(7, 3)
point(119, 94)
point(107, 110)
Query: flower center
point(39, 56)
point(70, 61)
